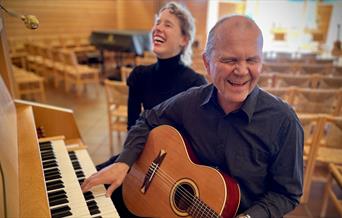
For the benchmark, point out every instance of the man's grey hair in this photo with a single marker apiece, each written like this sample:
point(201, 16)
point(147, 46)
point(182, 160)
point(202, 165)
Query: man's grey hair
point(212, 36)
point(187, 25)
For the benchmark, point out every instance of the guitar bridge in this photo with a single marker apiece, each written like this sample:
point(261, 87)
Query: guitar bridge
point(152, 170)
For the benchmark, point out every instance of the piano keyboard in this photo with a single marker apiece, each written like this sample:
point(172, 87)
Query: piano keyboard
point(63, 187)
point(96, 198)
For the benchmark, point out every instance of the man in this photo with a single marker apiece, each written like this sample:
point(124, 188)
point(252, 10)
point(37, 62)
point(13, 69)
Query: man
point(232, 124)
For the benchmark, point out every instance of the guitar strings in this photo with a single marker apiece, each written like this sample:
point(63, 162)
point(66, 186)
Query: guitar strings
point(199, 205)
point(205, 211)
point(198, 202)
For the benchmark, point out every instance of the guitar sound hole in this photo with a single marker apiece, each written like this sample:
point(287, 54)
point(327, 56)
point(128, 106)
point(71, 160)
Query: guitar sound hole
point(184, 196)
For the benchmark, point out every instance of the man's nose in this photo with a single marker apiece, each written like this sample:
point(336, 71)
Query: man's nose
point(241, 68)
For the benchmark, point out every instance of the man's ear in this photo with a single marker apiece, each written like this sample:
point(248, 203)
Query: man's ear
point(206, 63)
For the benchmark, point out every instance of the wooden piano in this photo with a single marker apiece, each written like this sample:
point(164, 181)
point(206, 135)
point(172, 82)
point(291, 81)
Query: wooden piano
point(41, 176)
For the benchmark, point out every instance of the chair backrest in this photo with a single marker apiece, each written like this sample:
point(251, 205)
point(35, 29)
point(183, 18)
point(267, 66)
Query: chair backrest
point(125, 71)
point(284, 93)
point(332, 136)
point(145, 60)
point(328, 82)
point(266, 80)
point(313, 128)
point(279, 68)
point(286, 80)
point(70, 58)
point(322, 69)
point(57, 55)
point(116, 93)
point(326, 101)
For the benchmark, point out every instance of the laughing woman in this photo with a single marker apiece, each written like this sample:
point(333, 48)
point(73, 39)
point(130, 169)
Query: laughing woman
point(172, 37)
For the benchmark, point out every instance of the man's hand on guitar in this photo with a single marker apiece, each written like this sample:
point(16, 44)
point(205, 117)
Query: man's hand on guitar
point(113, 175)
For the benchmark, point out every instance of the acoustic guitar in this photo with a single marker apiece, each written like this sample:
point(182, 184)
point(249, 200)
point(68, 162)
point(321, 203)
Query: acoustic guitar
point(167, 181)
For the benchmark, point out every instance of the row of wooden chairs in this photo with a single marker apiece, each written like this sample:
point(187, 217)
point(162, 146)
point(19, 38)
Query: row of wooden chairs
point(322, 146)
point(61, 65)
point(315, 81)
point(295, 68)
point(311, 101)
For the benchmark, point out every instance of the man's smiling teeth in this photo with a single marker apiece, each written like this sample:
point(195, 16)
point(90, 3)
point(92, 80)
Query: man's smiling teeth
point(236, 83)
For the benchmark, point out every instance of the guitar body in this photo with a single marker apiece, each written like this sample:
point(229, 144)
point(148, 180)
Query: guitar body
point(165, 182)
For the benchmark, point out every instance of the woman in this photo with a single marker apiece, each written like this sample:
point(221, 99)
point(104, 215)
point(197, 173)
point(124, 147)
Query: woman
point(172, 37)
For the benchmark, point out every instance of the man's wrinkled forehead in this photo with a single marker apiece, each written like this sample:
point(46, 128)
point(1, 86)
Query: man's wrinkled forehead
point(236, 26)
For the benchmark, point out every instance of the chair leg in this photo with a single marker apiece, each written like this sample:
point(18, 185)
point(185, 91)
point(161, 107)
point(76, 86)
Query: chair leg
point(326, 196)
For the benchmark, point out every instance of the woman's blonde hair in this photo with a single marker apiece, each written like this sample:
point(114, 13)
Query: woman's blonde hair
point(187, 25)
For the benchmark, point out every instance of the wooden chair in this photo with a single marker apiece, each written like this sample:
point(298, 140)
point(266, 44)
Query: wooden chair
point(79, 75)
point(317, 101)
point(286, 80)
point(322, 69)
point(145, 60)
point(288, 68)
point(28, 85)
point(329, 82)
point(313, 128)
point(284, 93)
point(117, 97)
point(330, 150)
point(335, 176)
point(124, 72)
point(58, 66)
point(266, 80)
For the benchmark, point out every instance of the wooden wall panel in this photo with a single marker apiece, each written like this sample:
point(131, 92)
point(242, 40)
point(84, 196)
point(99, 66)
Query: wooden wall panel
point(82, 16)
point(61, 17)
point(136, 14)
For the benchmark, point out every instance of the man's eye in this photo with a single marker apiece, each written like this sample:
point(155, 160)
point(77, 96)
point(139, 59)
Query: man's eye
point(228, 61)
point(253, 61)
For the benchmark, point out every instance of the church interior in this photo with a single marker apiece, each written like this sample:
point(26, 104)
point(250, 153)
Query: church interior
point(56, 58)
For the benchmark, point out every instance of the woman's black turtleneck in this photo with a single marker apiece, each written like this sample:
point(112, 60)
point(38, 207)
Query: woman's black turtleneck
point(153, 84)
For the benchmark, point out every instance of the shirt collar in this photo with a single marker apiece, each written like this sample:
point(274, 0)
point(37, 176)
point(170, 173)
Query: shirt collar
point(248, 106)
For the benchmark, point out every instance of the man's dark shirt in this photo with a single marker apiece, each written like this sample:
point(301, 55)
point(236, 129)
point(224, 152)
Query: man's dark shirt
point(260, 144)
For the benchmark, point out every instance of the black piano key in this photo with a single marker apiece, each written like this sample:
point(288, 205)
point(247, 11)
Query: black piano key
point(58, 192)
point(73, 156)
point(53, 172)
point(97, 217)
point(61, 214)
point(91, 203)
point(79, 174)
point(46, 149)
point(58, 202)
point(94, 211)
point(54, 186)
point(45, 143)
point(76, 165)
point(89, 197)
point(52, 177)
point(54, 182)
point(48, 156)
point(60, 209)
point(57, 197)
point(49, 164)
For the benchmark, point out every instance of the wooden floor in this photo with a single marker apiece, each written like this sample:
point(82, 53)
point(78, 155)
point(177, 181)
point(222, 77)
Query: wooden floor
point(91, 117)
